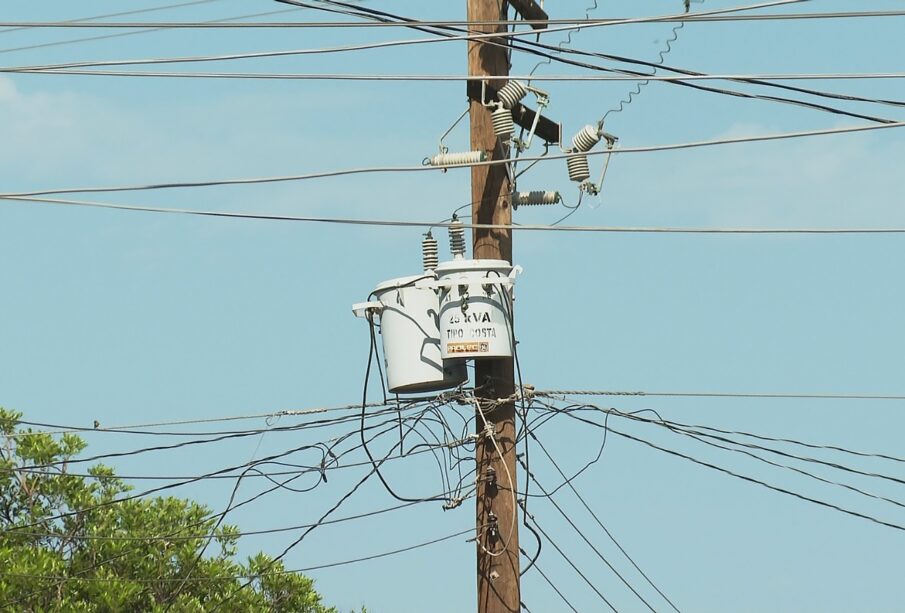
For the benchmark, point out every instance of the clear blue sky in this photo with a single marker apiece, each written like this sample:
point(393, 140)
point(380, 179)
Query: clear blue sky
point(135, 317)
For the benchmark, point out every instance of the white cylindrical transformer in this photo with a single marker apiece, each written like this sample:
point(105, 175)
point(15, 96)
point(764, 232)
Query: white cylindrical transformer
point(476, 308)
point(409, 328)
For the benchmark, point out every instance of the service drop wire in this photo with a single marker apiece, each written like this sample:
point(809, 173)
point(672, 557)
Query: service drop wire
point(233, 507)
point(703, 436)
point(703, 440)
point(587, 541)
point(339, 503)
point(740, 476)
point(191, 480)
point(509, 311)
point(599, 522)
point(374, 352)
point(364, 400)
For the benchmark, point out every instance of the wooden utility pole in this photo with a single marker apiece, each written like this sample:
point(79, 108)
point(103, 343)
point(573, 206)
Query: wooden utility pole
point(497, 516)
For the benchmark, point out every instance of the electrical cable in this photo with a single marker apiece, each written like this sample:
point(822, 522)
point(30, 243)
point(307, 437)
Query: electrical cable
point(703, 439)
point(700, 394)
point(552, 585)
point(664, 51)
point(114, 558)
point(602, 526)
point(170, 486)
point(371, 170)
point(587, 541)
point(72, 41)
point(256, 575)
point(753, 78)
point(749, 479)
point(361, 47)
point(611, 21)
point(433, 224)
point(532, 48)
point(364, 397)
point(571, 563)
point(81, 20)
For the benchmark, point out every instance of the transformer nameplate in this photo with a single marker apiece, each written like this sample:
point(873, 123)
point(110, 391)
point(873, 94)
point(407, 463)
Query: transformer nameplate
point(453, 348)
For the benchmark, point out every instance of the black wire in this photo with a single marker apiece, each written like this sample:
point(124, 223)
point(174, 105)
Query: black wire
point(784, 466)
point(686, 429)
point(583, 468)
point(572, 564)
point(747, 478)
point(364, 399)
point(339, 503)
point(552, 585)
point(189, 481)
point(586, 539)
point(532, 560)
point(216, 439)
point(510, 315)
point(600, 523)
point(532, 47)
point(862, 454)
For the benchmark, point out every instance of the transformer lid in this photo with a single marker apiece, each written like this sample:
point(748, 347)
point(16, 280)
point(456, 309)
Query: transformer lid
point(400, 282)
point(472, 265)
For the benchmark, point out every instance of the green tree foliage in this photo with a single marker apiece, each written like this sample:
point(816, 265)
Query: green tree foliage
point(66, 546)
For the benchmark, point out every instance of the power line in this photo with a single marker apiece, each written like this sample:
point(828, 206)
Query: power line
point(570, 562)
point(792, 396)
point(600, 523)
point(611, 21)
point(360, 47)
point(746, 478)
point(583, 537)
point(77, 22)
point(551, 584)
point(315, 446)
point(136, 428)
point(300, 76)
point(430, 224)
point(191, 537)
point(245, 576)
point(72, 41)
point(556, 51)
point(423, 168)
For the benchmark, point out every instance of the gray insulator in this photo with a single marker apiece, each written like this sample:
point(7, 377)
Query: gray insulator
point(586, 139)
point(578, 168)
point(511, 93)
point(445, 160)
point(456, 237)
point(503, 125)
point(535, 198)
point(430, 252)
